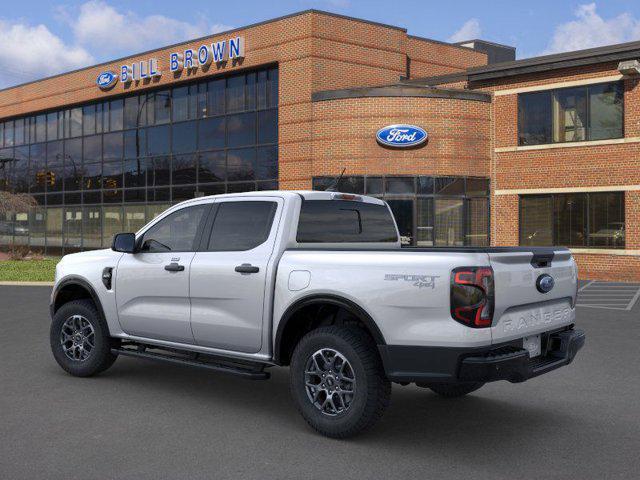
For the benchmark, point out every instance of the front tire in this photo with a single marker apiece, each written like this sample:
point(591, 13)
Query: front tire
point(337, 381)
point(80, 340)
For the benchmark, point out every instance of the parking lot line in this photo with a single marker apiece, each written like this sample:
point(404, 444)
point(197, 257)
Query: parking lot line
point(611, 296)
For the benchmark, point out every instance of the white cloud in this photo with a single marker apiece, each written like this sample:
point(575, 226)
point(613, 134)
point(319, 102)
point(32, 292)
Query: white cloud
point(29, 52)
point(469, 31)
point(107, 31)
point(591, 30)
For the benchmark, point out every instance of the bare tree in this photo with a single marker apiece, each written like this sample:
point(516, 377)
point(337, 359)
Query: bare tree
point(15, 202)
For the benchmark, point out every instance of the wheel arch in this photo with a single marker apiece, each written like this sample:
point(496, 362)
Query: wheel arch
point(288, 320)
point(74, 288)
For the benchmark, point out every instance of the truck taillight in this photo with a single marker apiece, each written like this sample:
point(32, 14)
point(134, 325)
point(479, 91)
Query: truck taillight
point(472, 296)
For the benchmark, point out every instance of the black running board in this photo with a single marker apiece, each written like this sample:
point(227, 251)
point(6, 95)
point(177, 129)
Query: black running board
point(241, 371)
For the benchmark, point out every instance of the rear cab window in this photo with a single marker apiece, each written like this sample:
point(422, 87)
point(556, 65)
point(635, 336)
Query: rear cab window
point(343, 221)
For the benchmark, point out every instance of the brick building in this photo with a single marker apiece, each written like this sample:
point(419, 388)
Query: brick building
point(542, 151)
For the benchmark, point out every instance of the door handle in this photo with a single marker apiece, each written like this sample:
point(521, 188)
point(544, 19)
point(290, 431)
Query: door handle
point(247, 268)
point(174, 267)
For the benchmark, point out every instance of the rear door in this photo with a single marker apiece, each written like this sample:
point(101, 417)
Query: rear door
point(152, 286)
point(229, 277)
point(521, 307)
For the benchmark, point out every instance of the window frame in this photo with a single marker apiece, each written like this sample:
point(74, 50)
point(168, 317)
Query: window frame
point(552, 92)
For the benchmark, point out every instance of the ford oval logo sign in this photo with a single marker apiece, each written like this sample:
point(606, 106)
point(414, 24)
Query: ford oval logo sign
point(401, 136)
point(545, 283)
point(106, 80)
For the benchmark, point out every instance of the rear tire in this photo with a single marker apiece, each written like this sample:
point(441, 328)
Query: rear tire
point(337, 381)
point(80, 340)
point(453, 390)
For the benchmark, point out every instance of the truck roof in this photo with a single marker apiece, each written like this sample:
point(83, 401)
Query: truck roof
point(305, 194)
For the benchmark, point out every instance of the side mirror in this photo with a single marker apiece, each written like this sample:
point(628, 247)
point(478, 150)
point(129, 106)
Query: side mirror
point(124, 242)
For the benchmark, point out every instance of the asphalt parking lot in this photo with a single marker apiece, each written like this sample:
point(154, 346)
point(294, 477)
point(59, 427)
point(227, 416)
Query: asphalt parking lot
point(147, 420)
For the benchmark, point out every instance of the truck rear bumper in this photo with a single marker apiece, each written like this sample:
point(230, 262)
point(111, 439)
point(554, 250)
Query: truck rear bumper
point(509, 361)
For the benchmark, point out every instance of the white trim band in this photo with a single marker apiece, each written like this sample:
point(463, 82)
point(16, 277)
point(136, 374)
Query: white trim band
point(605, 251)
point(550, 86)
point(588, 143)
point(604, 188)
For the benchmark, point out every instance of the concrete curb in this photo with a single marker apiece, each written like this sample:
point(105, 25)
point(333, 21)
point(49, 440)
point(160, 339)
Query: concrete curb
point(27, 284)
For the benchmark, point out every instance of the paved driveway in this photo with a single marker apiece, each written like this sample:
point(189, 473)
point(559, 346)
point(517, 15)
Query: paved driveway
point(143, 420)
point(609, 295)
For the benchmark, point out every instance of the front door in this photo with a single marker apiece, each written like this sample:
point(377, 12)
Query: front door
point(229, 277)
point(152, 286)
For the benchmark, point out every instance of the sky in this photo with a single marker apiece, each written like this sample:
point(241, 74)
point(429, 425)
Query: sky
point(39, 38)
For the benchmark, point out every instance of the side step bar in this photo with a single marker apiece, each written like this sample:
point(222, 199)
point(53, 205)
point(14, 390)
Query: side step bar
point(242, 370)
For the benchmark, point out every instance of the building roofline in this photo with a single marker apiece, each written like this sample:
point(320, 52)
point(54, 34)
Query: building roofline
point(400, 90)
point(435, 79)
point(441, 42)
point(225, 32)
point(555, 61)
point(496, 44)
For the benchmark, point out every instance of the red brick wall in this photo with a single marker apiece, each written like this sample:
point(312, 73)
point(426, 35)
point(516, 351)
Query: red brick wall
point(344, 137)
point(567, 167)
point(429, 58)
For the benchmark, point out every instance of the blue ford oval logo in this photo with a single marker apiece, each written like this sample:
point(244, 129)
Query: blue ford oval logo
point(545, 283)
point(106, 80)
point(401, 136)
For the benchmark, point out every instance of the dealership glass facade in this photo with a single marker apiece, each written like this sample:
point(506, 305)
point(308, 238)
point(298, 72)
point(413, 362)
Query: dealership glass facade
point(429, 211)
point(105, 167)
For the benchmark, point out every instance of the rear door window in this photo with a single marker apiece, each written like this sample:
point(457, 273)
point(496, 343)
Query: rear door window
point(241, 225)
point(341, 221)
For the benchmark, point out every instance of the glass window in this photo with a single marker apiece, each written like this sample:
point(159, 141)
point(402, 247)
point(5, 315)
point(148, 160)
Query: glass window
point(162, 106)
point(92, 176)
point(425, 222)
point(134, 173)
point(183, 137)
point(591, 112)
point(477, 233)
point(606, 111)
point(250, 91)
point(158, 140)
point(75, 122)
point(101, 111)
point(570, 218)
point(268, 126)
point(570, 115)
point(184, 169)
point(400, 185)
point(215, 97)
point(116, 115)
point(606, 220)
point(235, 93)
point(158, 171)
point(201, 101)
point(261, 89)
point(41, 128)
point(130, 115)
point(449, 222)
point(54, 227)
point(351, 185)
point(536, 220)
point(73, 227)
point(175, 233)
point(241, 164)
point(425, 185)
point(273, 88)
point(241, 225)
point(135, 143)
point(92, 149)
point(134, 218)
point(21, 169)
point(337, 221)
point(267, 163)
point(111, 224)
point(211, 167)
point(180, 104)
point(92, 227)
point(19, 132)
point(8, 134)
point(241, 129)
point(37, 168)
point(89, 124)
point(112, 175)
point(402, 210)
point(37, 226)
point(211, 133)
point(112, 146)
point(374, 186)
point(449, 186)
point(477, 187)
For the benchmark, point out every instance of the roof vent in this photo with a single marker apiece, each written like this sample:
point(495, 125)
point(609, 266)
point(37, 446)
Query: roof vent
point(629, 67)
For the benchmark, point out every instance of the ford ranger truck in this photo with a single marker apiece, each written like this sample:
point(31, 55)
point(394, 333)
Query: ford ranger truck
point(318, 282)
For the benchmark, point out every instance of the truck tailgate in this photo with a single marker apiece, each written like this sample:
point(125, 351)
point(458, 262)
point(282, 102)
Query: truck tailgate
point(521, 309)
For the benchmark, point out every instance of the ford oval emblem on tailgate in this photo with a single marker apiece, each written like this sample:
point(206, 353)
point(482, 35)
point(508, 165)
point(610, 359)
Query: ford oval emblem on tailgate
point(545, 283)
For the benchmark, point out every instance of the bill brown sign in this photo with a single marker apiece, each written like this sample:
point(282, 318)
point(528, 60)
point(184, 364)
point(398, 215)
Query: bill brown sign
point(189, 59)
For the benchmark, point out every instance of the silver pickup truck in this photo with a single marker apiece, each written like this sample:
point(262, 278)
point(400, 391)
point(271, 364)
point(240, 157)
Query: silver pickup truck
point(316, 281)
